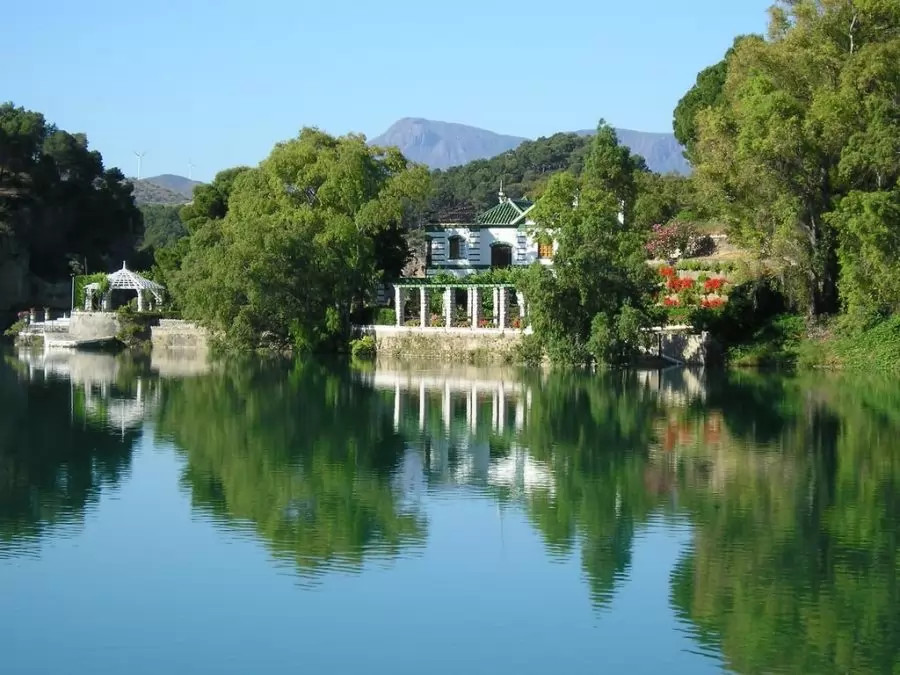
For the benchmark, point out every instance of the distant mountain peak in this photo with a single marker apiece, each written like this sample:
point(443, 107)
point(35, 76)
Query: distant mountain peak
point(167, 188)
point(441, 145)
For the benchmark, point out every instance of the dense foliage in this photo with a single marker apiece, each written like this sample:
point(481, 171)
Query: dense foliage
point(282, 252)
point(58, 204)
point(162, 226)
point(523, 171)
point(594, 304)
point(800, 151)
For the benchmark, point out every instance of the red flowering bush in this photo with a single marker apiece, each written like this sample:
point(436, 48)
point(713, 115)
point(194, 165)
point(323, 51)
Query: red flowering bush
point(667, 272)
point(713, 285)
point(677, 285)
point(671, 302)
point(712, 303)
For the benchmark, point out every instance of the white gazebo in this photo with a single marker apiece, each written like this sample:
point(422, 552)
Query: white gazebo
point(125, 280)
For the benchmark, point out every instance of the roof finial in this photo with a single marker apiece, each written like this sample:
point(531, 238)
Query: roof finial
point(500, 194)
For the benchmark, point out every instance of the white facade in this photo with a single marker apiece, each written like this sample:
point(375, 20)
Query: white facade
point(475, 249)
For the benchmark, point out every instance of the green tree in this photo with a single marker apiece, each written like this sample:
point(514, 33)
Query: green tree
point(205, 212)
point(662, 198)
point(807, 117)
point(305, 236)
point(162, 226)
point(592, 306)
point(707, 92)
point(524, 172)
point(58, 203)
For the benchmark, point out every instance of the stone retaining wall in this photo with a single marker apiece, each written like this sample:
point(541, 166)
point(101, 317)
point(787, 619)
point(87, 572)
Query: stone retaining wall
point(93, 326)
point(179, 334)
point(446, 344)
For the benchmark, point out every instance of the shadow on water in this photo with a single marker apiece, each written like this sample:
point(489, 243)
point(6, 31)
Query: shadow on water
point(789, 485)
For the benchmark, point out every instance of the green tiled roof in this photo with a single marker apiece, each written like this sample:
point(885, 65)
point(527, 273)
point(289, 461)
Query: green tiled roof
point(504, 213)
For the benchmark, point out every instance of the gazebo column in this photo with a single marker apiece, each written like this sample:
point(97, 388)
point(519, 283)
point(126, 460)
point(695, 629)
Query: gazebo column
point(503, 294)
point(448, 307)
point(475, 302)
point(520, 300)
point(423, 307)
point(140, 299)
point(398, 305)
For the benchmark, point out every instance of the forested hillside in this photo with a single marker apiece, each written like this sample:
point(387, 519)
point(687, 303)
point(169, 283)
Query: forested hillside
point(60, 208)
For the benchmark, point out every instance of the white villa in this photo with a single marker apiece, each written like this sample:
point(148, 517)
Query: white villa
point(499, 237)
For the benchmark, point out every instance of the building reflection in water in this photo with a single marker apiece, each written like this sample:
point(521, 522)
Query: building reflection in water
point(104, 390)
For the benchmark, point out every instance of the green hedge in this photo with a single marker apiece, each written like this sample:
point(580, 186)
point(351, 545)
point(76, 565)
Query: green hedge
point(83, 280)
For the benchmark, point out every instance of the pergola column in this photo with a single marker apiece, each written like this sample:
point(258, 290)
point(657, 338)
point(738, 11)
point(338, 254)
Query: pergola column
point(447, 410)
point(422, 405)
point(397, 405)
point(520, 300)
point(494, 303)
point(504, 295)
point(398, 304)
point(448, 306)
point(475, 299)
point(423, 307)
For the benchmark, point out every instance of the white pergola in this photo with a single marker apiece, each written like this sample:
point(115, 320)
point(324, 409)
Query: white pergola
point(126, 280)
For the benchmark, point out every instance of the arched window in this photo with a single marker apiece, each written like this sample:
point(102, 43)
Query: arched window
point(455, 248)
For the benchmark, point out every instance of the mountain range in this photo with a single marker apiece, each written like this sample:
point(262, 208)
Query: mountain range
point(166, 188)
point(441, 145)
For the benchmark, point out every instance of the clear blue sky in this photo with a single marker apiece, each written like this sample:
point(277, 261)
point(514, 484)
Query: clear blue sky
point(221, 81)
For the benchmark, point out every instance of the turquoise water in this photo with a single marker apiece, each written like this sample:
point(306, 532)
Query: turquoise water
point(168, 516)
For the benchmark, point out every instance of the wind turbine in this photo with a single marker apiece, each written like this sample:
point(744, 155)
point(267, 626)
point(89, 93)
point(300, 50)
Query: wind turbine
point(191, 166)
point(140, 156)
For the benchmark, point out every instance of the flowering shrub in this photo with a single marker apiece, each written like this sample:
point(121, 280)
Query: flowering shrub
point(485, 323)
point(712, 303)
point(713, 285)
point(671, 302)
point(671, 240)
point(677, 285)
point(436, 320)
point(667, 272)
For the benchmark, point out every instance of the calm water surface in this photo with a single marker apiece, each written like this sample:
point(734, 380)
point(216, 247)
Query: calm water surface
point(166, 516)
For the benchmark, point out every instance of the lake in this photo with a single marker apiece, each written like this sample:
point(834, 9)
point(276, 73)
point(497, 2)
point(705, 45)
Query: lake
point(159, 514)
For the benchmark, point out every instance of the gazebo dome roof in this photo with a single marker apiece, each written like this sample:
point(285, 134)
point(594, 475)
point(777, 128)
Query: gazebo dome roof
point(125, 279)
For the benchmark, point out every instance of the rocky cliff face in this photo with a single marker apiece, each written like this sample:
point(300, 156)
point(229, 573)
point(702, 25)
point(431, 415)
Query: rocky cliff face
point(21, 290)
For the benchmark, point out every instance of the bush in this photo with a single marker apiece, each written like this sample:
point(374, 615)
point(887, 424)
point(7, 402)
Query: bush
point(531, 352)
point(14, 330)
point(363, 348)
point(385, 316)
